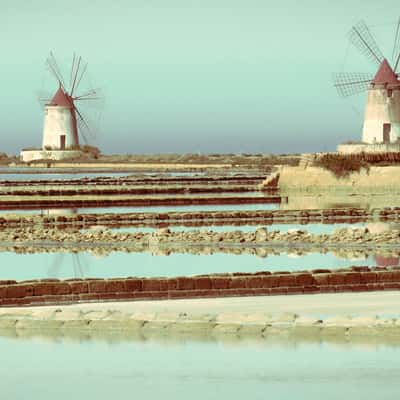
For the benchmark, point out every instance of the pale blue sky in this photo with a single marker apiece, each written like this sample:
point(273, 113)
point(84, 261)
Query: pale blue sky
point(191, 75)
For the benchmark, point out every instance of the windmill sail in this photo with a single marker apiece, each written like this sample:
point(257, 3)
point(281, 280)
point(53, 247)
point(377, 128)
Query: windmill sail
point(361, 37)
point(396, 47)
point(350, 83)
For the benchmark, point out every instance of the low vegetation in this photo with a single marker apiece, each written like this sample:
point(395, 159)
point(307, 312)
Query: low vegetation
point(342, 165)
point(6, 159)
point(239, 160)
point(353, 142)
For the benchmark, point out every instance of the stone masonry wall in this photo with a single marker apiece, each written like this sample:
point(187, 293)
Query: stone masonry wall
point(312, 179)
point(368, 148)
point(54, 291)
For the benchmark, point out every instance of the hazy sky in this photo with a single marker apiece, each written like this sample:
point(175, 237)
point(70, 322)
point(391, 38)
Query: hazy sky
point(192, 75)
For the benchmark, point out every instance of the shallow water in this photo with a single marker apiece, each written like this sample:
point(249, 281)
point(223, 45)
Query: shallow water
point(10, 174)
point(32, 176)
point(311, 228)
point(61, 368)
point(119, 264)
point(120, 210)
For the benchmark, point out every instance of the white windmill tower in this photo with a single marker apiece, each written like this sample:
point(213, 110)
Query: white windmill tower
point(382, 111)
point(64, 119)
point(60, 130)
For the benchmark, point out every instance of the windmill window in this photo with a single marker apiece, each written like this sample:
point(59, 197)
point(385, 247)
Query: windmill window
point(389, 92)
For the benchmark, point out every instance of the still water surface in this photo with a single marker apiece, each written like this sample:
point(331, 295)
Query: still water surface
point(316, 229)
point(60, 369)
point(120, 210)
point(120, 264)
point(34, 176)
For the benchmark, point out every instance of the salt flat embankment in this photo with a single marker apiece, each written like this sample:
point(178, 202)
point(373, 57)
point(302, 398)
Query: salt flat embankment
point(316, 179)
point(357, 316)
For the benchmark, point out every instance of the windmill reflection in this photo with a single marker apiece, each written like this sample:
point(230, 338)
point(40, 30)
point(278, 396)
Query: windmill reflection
point(59, 211)
point(386, 261)
point(65, 263)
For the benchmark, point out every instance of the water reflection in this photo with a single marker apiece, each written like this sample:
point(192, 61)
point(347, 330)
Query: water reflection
point(304, 201)
point(31, 174)
point(75, 264)
point(60, 211)
point(317, 228)
point(66, 369)
point(131, 209)
point(120, 264)
point(385, 261)
point(291, 339)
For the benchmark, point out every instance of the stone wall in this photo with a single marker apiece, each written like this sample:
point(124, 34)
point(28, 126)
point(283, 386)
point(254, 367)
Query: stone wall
point(368, 148)
point(54, 291)
point(314, 179)
point(114, 324)
point(30, 155)
point(205, 218)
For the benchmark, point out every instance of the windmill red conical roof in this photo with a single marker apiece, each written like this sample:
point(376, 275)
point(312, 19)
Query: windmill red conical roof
point(60, 99)
point(385, 74)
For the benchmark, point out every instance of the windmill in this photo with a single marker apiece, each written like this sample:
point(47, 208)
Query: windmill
point(65, 121)
point(382, 110)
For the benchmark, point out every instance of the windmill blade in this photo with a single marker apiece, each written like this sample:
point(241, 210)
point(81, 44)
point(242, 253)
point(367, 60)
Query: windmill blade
point(396, 47)
point(350, 83)
point(361, 37)
point(89, 125)
point(54, 269)
point(395, 50)
point(53, 71)
point(83, 126)
point(89, 94)
point(55, 66)
point(397, 63)
point(92, 101)
point(75, 75)
point(43, 98)
point(80, 77)
point(72, 71)
point(90, 107)
point(76, 265)
point(52, 65)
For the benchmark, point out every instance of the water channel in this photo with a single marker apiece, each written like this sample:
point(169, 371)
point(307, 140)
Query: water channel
point(119, 264)
point(77, 368)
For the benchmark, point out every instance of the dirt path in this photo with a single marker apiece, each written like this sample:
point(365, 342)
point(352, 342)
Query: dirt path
point(317, 305)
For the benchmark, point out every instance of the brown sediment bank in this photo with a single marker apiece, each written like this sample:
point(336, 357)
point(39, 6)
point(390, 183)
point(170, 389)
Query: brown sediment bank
point(190, 218)
point(35, 202)
point(113, 188)
point(122, 190)
point(165, 238)
point(141, 180)
point(263, 283)
point(103, 249)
